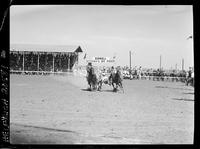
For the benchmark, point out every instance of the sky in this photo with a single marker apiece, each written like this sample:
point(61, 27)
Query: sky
point(107, 30)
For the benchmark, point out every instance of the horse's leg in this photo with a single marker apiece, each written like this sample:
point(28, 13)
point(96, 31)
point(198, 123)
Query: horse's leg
point(114, 87)
point(93, 86)
point(193, 82)
point(95, 82)
point(120, 84)
point(186, 81)
point(109, 81)
point(92, 83)
point(98, 85)
point(90, 87)
point(117, 86)
point(101, 83)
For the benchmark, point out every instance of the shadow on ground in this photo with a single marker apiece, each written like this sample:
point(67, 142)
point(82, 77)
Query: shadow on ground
point(25, 134)
point(191, 93)
point(107, 91)
point(21, 138)
point(86, 89)
point(173, 88)
point(184, 99)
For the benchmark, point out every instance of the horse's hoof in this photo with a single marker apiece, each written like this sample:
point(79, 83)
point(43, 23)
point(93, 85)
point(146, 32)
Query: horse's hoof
point(114, 90)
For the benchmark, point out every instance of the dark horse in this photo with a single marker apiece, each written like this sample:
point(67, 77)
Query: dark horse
point(116, 81)
point(91, 78)
point(189, 80)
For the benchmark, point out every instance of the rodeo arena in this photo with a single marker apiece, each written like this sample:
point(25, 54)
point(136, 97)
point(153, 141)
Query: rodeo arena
point(55, 100)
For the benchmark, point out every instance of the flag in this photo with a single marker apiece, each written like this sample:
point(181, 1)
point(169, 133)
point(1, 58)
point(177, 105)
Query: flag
point(85, 56)
point(190, 37)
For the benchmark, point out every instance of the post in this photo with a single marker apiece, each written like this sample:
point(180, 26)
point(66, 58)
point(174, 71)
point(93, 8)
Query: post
point(182, 64)
point(45, 62)
point(160, 61)
point(77, 58)
point(69, 62)
point(53, 62)
point(38, 67)
point(60, 63)
point(130, 58)
point(23, 61)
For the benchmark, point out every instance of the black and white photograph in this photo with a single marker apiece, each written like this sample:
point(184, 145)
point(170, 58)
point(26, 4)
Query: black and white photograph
point(101, 74)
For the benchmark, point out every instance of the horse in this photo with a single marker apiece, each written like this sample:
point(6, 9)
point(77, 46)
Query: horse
point(102, 79)
point(92, 79)
point(189, 78)
point(116, 81)
point(189, 81)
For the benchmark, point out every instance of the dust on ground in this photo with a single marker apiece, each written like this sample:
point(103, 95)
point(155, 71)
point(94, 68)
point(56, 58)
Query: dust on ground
point(59, 110)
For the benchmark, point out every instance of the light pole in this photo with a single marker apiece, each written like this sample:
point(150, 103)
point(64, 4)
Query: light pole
point(191, 37)
point(130, 58)
point(114, 58)
point(182, 64)
point(160, 61)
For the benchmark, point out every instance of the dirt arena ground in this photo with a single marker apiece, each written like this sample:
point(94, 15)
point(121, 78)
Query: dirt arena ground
point(59, 110)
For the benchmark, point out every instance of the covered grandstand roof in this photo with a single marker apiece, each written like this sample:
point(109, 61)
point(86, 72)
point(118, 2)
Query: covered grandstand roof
point(45, 48)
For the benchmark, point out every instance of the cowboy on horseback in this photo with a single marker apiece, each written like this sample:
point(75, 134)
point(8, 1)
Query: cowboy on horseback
point(91, 76)
point(89, 68)
point(112, 72)
point(115, 78)
point(190, 77)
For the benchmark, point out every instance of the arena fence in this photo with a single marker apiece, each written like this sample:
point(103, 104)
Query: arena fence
point(82, 72)
point(38, 72)
point(165, 78)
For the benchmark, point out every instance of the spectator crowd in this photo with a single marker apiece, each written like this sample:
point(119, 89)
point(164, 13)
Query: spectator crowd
point(146, 74)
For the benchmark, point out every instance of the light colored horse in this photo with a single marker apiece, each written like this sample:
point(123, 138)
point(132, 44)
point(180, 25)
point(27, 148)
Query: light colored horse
point(102, 78)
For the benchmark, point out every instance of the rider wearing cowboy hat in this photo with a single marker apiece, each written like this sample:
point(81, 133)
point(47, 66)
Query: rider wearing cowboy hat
point(111, 74)
point(88, 67)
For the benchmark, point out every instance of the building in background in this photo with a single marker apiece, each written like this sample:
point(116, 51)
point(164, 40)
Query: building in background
point(43, 58)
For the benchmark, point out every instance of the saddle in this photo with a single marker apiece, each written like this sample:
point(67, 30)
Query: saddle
point(115, 77)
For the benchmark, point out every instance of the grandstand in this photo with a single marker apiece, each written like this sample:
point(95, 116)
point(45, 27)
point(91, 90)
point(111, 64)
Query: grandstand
point(43, 59)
